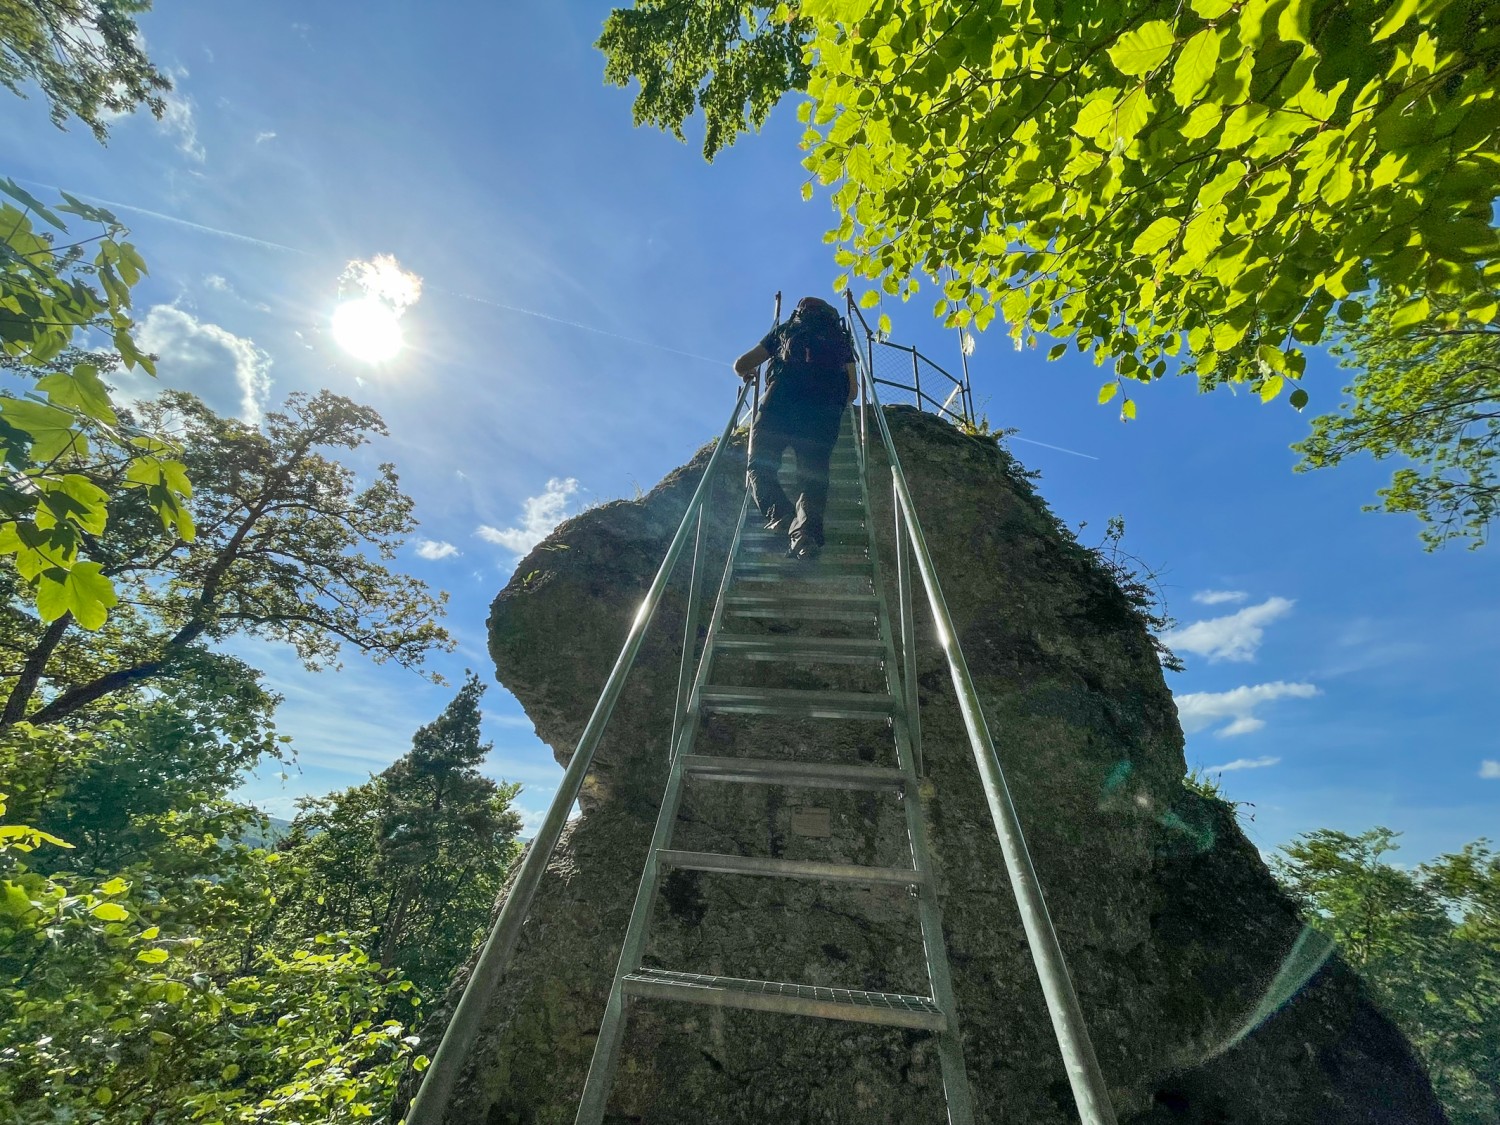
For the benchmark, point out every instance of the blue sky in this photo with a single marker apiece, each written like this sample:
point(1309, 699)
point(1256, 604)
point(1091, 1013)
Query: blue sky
point(1342, 677)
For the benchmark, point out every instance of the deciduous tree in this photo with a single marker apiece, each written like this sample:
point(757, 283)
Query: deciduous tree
point(288, 545)
point(86, 56)
point(1194, 188)
point(415, 855)
point(1428, 395)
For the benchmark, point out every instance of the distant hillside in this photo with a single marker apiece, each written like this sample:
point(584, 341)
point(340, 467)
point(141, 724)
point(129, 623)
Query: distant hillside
point(274, 832)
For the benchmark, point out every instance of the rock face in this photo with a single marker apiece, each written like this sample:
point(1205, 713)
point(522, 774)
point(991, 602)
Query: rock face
point(1175, 932)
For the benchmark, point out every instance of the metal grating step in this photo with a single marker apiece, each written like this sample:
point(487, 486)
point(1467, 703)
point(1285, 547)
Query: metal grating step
point(804, 775)
point(719, 863)
point(835, 607)
point(831, 563)
point(790, 647)
point(793, 704)
point(753, 526)
point(892, 1009)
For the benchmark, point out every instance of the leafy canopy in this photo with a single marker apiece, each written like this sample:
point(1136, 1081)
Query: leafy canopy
point(1431, 396)
point(288, 545)
point(1427, 942)
point(85, 55)
point(59, 429)
point(1194, 187)
point(416, 855)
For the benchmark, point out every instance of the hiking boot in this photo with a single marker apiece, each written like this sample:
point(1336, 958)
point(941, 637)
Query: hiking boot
point(775, 527)
point(804, 549)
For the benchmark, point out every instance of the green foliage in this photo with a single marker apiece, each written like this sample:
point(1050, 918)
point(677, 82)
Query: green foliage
point(289, 547)
point(1191, 188)
point(153, 995)
point(1427, 394)
point(730, 58)
point(416, 855)
point(1427, 941)
point(61, 436)
point(85, 55)
point(1141, 585)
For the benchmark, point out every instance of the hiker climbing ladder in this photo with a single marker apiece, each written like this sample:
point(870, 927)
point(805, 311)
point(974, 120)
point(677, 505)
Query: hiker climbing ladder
point(745, 593)
point(748, 592)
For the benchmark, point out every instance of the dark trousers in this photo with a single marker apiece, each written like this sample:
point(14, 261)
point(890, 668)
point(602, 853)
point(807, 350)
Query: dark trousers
point(810, 433)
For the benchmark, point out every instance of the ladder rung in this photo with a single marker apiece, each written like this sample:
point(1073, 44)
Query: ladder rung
point(803, 775)
point(783, 646)
point(831, 562)
point(720, 863)
point(840, 607)
point(893, 1009)
point(792, 703)
point(754, 528)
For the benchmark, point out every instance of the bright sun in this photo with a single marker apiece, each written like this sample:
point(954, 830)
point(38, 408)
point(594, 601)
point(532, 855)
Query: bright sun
point(368, 329)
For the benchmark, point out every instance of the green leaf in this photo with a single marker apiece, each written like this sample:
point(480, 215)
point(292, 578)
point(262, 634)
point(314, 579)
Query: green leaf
point(1400, 12)
point(1195, 66)
point(1056, 351)
point(1155, 237)
point(1108, 391)
point(1132, 116)
point(116, 886)
point(1270, 387)
point(1411, 313)
point(1211, 9)
point(152, 956)
point(1298, 399)
point(16, 192)
point(869, 298)
point(1127, 410)
point(50, 429)
point(1143, 49)
point(82, 591)
point(110, 912)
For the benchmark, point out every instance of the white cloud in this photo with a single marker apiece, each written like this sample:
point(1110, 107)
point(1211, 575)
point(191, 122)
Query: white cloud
point(1201, 709)
point(179, 119)
point(435, 549)
point(217, 282)
point(1219, 597)
point(264, 136)
point(539, 515)
point(1235, 637)
point(197, 356)
point(1489, 770)
point(1244, 764)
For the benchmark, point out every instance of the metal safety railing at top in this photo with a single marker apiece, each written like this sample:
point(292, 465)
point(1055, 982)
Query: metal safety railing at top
point(903, 367)
point(430, 1105)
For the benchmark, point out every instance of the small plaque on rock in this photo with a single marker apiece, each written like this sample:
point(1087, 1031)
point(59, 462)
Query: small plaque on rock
point(811, 822)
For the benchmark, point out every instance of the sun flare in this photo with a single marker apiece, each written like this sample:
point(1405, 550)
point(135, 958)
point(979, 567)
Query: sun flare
point(368, 329)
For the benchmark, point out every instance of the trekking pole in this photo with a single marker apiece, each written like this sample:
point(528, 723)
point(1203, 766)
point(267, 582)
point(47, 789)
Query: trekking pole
point(755, 399)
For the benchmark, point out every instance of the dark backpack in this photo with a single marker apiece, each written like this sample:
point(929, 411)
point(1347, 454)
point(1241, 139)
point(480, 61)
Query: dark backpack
point(808, 364)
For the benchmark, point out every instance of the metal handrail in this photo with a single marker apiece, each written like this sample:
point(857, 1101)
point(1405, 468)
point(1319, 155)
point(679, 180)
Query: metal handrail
point(431, 1101)
point(1089, 1089)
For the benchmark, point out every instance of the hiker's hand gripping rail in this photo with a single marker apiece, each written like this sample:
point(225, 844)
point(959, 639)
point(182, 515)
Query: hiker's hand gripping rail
point(431, 1102)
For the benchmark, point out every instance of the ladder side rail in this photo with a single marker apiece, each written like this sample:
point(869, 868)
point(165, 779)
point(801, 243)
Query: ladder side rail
point(1090, 1091)
point(689, 636)
point(908, 637)
point(600, 1078)
point(906, 730)
point(431, 1101)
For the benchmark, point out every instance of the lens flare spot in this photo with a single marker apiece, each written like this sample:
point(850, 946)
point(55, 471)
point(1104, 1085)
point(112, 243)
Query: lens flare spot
point(368, 329)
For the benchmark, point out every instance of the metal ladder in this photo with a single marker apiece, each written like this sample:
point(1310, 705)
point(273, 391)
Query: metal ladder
point(746, 571)
point(749, 590)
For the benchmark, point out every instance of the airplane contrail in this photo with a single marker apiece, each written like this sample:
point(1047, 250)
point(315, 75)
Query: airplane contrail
point(1045, 445)
point(179, 221)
